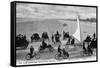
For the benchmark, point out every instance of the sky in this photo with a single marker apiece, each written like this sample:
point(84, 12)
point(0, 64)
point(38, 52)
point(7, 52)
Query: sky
point(42, 11)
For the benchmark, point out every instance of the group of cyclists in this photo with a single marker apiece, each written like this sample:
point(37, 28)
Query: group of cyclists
point(90, 41)
point(55, 38)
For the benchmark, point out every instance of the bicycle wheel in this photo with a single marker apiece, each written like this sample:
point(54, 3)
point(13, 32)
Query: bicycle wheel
point(83, 53)
point(66, 56)
point(57, 56)
point(37, 56)
point(28, 57)
point(51, 49)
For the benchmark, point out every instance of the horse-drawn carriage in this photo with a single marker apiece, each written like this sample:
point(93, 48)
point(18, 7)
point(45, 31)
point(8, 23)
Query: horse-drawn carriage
point(45, 36)
point(35, 37)
point(21, 42)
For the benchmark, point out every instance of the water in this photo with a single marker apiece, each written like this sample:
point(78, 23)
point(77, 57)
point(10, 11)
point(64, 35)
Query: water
point(51, 26)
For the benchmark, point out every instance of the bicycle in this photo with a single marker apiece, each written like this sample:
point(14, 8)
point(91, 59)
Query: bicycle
point(29, 56)
point(62, 56)
point(86, 53)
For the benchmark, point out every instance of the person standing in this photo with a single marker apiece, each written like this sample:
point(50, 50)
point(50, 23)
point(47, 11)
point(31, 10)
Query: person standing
point(57, 37)
point(84, 48)
point(72, 41)
point(69, 40)
point(52, 38)
point(63, 34)
point(94, 35)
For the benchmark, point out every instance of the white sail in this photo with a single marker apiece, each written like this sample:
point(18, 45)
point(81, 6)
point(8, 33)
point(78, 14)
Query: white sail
point(77, 32)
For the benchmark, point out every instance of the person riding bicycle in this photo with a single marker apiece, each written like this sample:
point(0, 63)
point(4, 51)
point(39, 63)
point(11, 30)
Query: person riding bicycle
point(31, 50)
point(84, 48)
point(65, 53)
point(90, 51)
point(59, 49)
point(32, 54)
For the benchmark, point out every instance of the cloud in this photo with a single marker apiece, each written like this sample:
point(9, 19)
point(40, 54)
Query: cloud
point(41, 11)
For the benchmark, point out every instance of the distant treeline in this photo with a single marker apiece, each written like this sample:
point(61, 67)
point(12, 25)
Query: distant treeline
point(92, 20)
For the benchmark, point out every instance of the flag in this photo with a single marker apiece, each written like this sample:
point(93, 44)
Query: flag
point(77, 32)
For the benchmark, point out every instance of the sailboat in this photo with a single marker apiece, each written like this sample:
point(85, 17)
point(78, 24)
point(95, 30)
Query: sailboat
point(77, 34)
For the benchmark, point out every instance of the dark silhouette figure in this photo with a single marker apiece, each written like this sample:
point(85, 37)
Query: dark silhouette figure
point(52, 38)
point(44, 45)
point(59, 49)
point(57, 37)
point(93, 43)
point(72, 41)
point(63, 34)
point(69, 40)
point(21, 41)
point(94, 36)
point(45, 36)
point(35, 37)
point(31, 50)
point(88, 39)
point(84, 49)
point(90, 52)
point(65, 53)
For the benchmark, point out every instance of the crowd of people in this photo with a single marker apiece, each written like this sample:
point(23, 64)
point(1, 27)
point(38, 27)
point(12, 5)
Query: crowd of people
point(91, 42)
